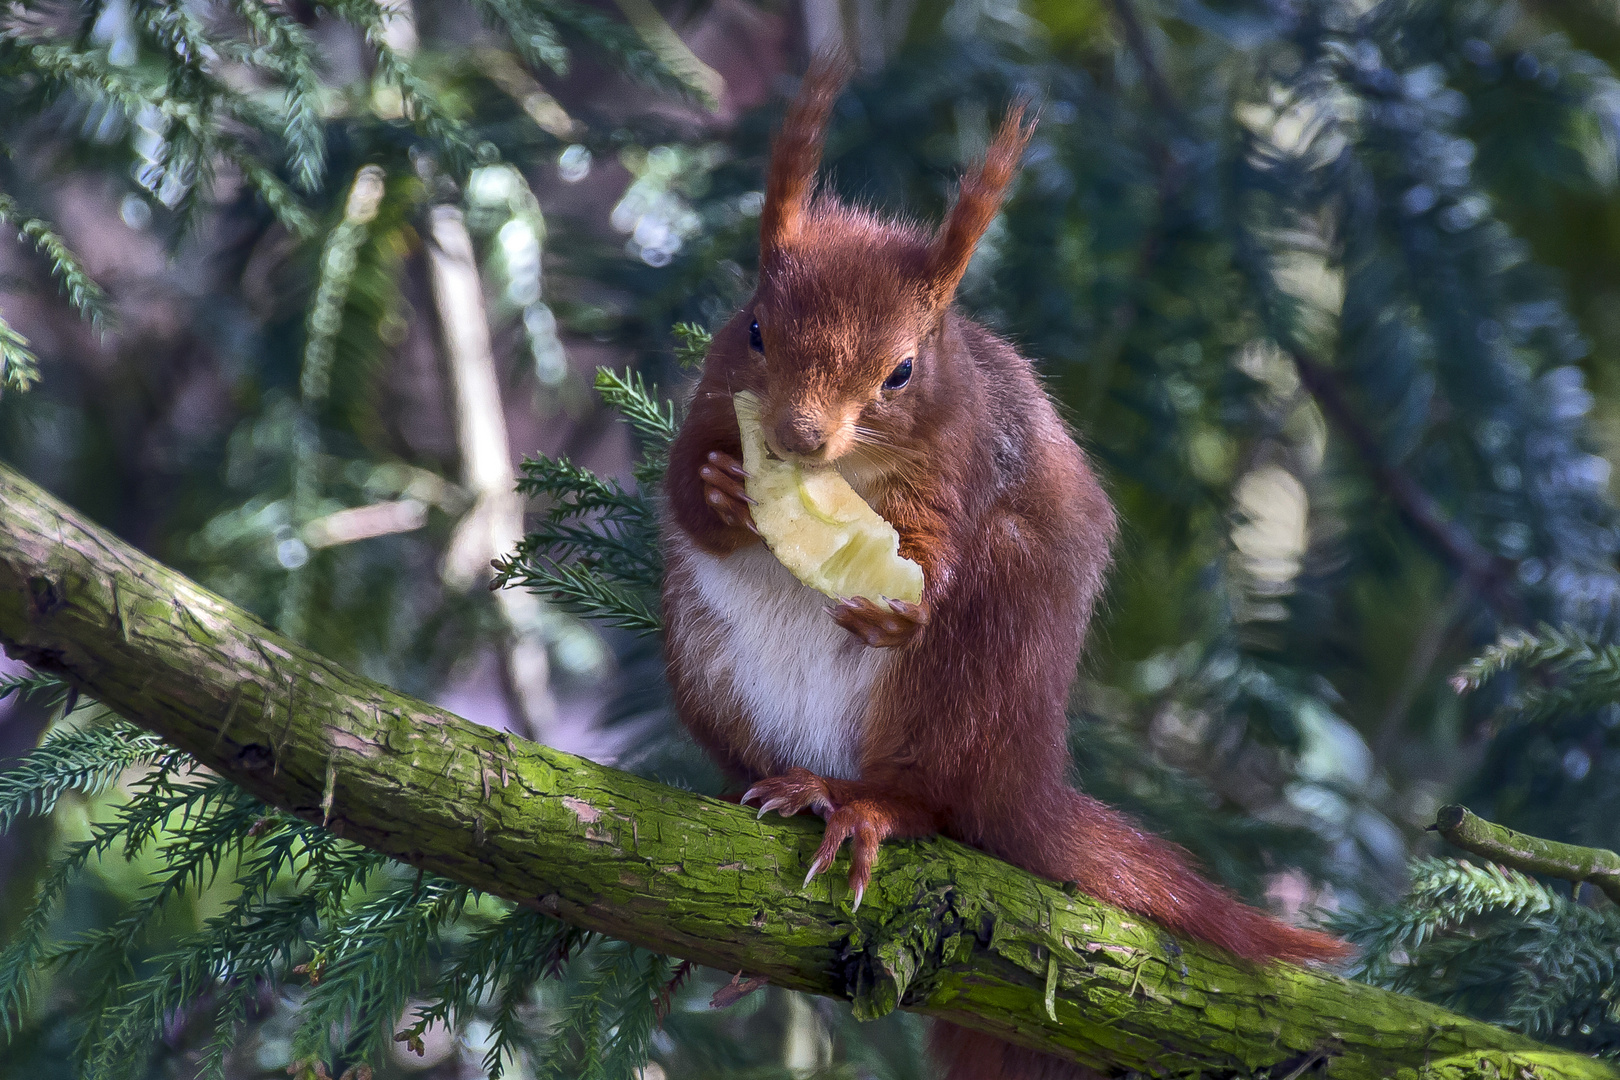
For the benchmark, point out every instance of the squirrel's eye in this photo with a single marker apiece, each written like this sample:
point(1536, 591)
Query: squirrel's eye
point(755, 342)
point(899, 376)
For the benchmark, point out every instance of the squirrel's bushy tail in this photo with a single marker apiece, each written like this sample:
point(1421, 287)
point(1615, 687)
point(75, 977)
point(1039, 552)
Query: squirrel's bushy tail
point(1070, 836)
point(1110, 858)
point(971, 1055)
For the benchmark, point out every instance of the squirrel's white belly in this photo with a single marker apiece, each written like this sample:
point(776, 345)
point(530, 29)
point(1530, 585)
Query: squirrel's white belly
point(802, 681)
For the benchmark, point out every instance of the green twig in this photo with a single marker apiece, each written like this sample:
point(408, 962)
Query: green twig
point(1530, 854)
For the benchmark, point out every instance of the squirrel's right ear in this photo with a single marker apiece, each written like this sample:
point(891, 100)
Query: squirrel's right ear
point(981, 195)
point(796, 154)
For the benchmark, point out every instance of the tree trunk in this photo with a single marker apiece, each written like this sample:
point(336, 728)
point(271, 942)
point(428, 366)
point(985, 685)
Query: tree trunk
point(944, 930)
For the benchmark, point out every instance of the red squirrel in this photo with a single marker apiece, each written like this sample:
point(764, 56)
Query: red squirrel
point(947, 716)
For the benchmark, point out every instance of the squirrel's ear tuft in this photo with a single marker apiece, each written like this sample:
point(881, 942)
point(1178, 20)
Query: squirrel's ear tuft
point(983, 190)
point(796, 153)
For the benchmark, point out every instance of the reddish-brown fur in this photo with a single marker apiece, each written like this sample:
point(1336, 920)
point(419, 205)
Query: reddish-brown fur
point(965, 732)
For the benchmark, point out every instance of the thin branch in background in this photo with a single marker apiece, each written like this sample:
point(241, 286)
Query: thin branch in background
point(1437, 629)
point(1488, 574)
point(708, 84)
point(524, 89)
point(494, 526)
point(1530, 854)
point(323, 324)
point(1164, 98)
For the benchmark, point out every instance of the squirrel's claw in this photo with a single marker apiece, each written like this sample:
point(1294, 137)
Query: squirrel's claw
point(793, 791)
point(731, 465)
point(881, 625)
point(864, 826)
point(820, 863)
point(773, 804)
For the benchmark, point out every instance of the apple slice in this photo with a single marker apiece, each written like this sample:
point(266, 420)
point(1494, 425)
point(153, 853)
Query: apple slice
point(818, 527)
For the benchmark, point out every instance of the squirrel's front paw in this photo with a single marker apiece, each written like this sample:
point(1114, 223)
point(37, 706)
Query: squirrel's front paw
point(878, 626)
point(723, 490)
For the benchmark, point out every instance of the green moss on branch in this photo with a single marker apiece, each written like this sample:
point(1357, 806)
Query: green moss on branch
point(944, 930)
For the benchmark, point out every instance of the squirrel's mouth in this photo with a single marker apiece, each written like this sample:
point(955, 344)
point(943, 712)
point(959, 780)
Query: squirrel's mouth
point(804, 461)
point(862, 475)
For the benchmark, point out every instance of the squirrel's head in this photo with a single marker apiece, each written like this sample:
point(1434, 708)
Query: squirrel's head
point(842, 334)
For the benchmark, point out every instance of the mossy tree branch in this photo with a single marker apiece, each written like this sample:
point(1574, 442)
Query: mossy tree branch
point(944, 930)
point(1530, 854)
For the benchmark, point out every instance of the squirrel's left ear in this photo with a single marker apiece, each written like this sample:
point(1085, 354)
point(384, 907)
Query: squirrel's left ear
point(983, 190)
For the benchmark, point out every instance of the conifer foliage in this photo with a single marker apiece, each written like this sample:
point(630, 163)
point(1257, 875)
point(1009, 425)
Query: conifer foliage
point(1321, 285)
point(348, 939)
point(597, 552)
point(1496, 944)
point(311, 927)
point(1541, 956)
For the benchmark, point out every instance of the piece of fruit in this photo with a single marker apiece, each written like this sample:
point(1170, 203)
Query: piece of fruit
point(818, 527)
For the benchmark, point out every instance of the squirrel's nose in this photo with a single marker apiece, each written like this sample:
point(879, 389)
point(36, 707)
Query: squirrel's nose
point(800, 434)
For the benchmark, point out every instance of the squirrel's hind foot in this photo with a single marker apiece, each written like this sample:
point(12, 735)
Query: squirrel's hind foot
point(862, 819)
point(865, 826)
point(791, 793)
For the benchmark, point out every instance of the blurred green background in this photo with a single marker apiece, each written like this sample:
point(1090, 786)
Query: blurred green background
point(1329, 288)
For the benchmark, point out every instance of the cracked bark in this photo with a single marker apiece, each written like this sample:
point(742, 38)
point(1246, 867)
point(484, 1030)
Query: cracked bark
point(944, 930)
